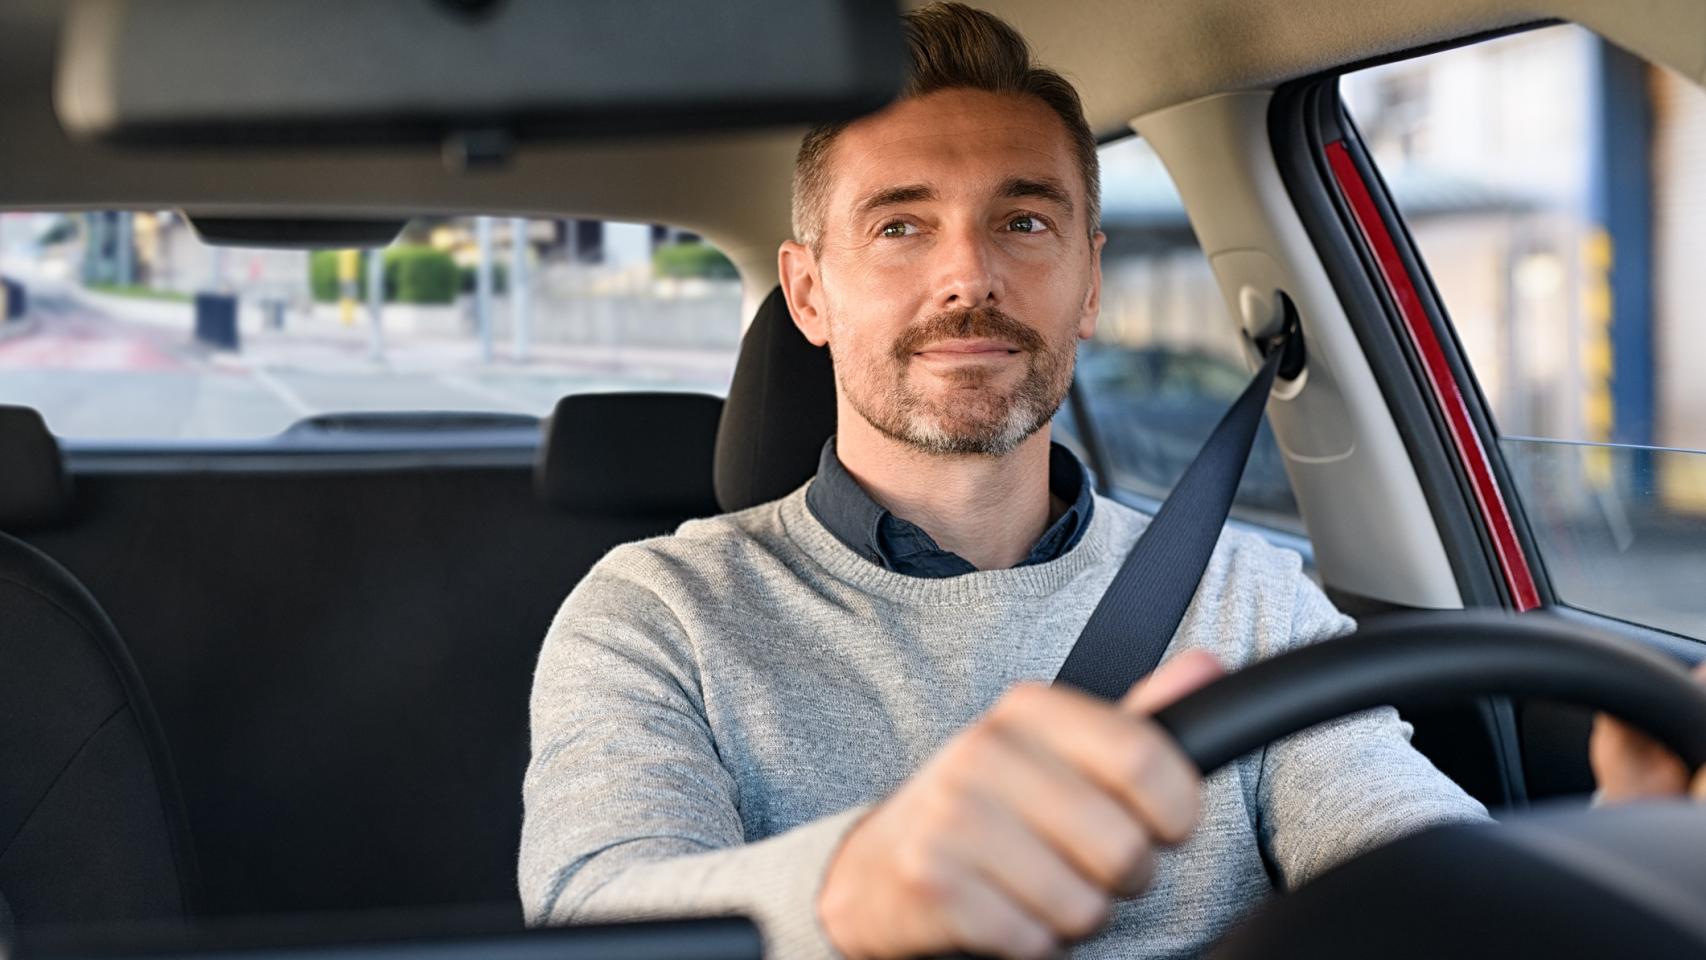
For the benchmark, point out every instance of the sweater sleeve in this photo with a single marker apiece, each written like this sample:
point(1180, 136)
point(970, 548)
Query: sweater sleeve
point(629, 813)
point(1348, 786)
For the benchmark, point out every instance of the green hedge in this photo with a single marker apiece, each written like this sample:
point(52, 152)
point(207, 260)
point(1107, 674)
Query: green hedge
point(424, 275)
point(469, 278)
point(139, 291)
point(692, 260)
point(323, 274)
point(413, 274)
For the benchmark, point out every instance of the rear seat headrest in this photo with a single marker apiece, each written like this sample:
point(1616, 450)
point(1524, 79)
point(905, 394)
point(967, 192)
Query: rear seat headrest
point(34, 487)
point(781, 409)
point(640, 454)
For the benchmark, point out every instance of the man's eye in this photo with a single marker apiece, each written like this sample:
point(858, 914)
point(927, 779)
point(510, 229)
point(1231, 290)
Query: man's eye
point(898, 229)
point(1026, 224)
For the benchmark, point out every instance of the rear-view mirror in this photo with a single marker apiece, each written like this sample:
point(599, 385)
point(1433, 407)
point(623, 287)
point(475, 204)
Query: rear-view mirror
point(475, 75)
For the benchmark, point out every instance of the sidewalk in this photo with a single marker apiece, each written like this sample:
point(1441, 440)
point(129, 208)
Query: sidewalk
point(318, 342)
point(18, 327)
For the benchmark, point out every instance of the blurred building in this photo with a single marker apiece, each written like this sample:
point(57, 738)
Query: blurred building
point(1569, 291)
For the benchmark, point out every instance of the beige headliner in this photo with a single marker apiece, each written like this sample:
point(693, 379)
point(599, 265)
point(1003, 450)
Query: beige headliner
point(1129, 57)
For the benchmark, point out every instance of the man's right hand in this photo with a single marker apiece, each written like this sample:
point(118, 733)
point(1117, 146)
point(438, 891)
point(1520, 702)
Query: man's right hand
point(1016, 836)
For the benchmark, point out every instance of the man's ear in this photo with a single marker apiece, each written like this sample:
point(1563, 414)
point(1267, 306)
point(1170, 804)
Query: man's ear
point(803, 289)
point(1093, 296)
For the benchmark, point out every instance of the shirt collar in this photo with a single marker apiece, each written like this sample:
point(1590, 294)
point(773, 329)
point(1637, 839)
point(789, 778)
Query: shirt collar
point(870, 530)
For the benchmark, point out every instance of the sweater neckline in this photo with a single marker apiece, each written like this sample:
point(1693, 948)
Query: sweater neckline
point(1036, 580)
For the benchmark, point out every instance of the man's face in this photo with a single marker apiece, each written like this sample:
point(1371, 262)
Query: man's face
point(956, 272)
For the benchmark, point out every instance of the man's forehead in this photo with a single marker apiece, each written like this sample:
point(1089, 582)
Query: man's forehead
point(955, 141)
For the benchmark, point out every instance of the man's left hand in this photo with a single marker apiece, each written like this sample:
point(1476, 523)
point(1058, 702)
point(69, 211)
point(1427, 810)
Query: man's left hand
point(1629, 765)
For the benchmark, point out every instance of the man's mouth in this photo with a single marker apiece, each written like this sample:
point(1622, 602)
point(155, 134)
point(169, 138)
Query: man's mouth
point(971, 349)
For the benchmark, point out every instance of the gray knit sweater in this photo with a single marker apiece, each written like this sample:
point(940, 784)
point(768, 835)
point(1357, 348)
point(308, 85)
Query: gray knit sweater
point(713, 710)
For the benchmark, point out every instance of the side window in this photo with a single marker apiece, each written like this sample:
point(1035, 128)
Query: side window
point(1555, 185)
point(1166, 362)
point(132, 329)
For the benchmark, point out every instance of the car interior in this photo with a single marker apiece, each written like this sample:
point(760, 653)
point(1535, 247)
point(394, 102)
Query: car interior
point(288, 679)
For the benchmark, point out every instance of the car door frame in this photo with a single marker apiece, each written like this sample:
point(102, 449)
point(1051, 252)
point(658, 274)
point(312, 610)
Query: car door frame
point(1405, 331)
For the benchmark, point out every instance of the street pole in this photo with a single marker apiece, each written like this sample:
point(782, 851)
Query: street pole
point(92, 240)
point(218, 268)
point(375, 303)
point(483, 287)
point(125, 250)
point(519, 287)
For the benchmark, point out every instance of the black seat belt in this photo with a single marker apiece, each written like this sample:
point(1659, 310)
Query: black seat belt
point(1136, 618)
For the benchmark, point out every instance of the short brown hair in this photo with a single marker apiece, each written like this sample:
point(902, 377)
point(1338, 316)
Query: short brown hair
point(953, 46)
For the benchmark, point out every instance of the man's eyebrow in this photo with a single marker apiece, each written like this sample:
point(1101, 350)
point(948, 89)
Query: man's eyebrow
point(892, 196)
point(1051, 190)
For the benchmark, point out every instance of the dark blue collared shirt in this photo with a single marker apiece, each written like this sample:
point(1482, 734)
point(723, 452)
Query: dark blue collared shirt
point(840, 504)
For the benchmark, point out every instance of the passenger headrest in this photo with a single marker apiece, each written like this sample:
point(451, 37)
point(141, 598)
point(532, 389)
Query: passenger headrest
point(781, 408)
point(640, 454)
point(34, 487)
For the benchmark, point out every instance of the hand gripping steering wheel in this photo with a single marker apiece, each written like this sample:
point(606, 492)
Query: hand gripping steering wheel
point(1629, 881)
point(1623, 882)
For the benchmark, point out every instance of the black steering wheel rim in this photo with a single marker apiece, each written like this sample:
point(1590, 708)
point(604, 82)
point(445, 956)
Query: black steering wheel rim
point(1433, 657)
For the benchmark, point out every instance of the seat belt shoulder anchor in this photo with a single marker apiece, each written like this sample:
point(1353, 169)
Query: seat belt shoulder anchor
point(1289, 339)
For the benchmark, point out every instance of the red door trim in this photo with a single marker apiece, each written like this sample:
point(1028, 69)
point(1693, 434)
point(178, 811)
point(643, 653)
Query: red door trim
point(1513, 563)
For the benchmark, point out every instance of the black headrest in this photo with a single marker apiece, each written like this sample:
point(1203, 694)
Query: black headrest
point(781, 408)
point(34, 488)
point(641, 454)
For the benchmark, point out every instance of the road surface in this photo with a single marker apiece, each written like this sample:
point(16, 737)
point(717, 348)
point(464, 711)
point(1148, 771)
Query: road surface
point(96, 375)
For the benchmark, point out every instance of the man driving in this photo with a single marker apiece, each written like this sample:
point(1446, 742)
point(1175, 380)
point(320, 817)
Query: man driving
point(832, 713)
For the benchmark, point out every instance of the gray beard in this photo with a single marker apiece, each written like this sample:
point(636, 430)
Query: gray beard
point(980, 423)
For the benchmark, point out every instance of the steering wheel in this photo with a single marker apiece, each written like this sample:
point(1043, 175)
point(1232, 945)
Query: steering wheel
point(1629, 881)
point(1417, 658)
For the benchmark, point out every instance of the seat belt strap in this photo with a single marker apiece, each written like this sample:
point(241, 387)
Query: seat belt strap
point(1141, 610)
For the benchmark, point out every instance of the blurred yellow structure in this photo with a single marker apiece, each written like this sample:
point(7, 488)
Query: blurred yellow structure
point(349, 270)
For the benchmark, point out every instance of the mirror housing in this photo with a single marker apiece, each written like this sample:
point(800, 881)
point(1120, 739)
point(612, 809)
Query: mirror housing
point(330, 72)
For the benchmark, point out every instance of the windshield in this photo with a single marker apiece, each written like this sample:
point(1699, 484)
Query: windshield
point(136, 330)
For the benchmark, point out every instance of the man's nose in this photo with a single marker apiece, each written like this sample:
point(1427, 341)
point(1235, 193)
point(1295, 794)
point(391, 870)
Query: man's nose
point(966, 271)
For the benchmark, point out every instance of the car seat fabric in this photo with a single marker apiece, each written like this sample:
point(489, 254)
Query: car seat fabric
point(634, 454)
point(91, 825)
point(779, 412)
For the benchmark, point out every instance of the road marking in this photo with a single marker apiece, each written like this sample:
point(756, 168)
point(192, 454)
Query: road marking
point(291, 398)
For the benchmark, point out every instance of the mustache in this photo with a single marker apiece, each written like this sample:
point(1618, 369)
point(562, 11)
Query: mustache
point(976, 323)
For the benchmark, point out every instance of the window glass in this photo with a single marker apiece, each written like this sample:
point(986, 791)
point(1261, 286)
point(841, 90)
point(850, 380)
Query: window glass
point(1556, 187)
point(1166, 362)
point(131, 328)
